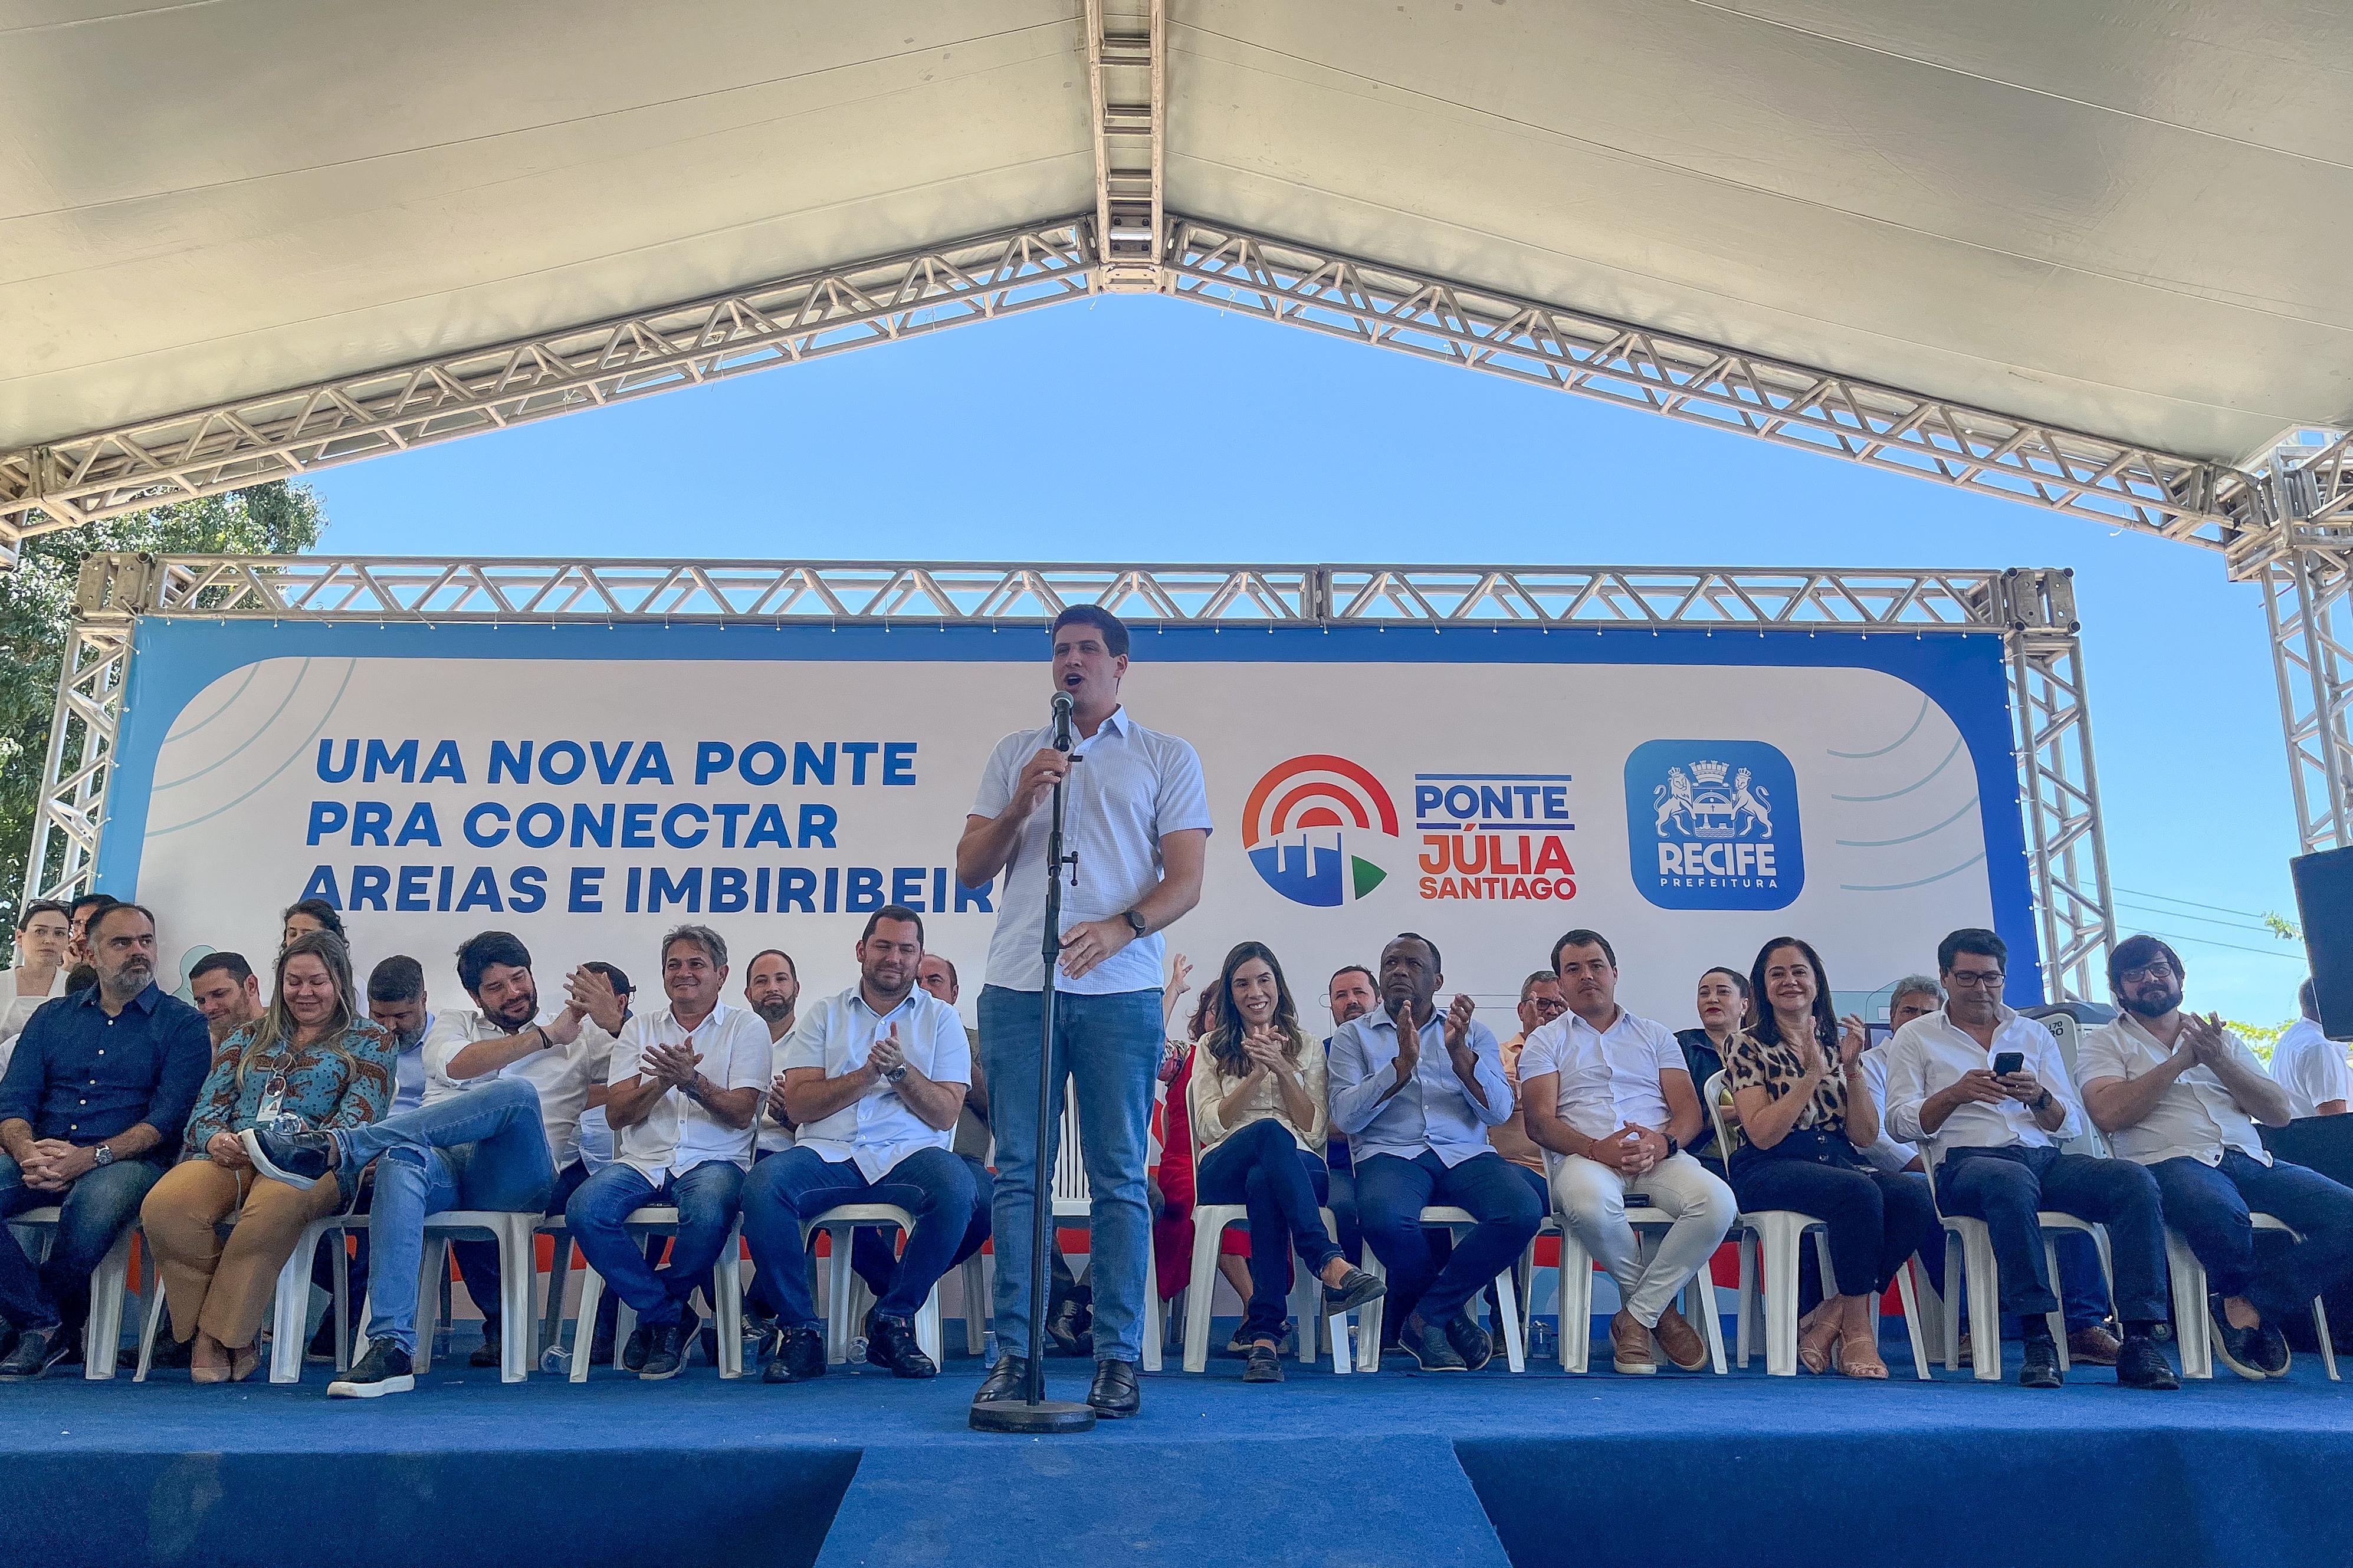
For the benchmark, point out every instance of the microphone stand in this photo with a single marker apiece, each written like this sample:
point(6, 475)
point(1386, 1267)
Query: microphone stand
point(1035, 1414)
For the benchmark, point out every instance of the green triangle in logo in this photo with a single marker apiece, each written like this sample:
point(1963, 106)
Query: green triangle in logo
point(1367, 876)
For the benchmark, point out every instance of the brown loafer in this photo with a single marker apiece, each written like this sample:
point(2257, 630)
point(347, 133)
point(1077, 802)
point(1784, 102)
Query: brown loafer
point(1630, 1345)
point(2094, 1346)
point(1681, 1341)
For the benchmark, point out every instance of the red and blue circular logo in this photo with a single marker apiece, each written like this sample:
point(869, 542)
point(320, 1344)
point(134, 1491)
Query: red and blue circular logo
point(1312, 826)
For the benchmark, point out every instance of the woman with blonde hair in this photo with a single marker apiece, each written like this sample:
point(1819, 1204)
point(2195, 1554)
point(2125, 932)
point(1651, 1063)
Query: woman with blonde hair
point(1260, 1121)
point(313, 1055)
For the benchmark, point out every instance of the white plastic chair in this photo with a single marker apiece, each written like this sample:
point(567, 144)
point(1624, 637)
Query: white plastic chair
point(727, 1285)
point(845, 1293)
point(518, 1270)
point(1768, 1242)
point(109, 1283)
point(1210, 1222)
point(1073, 1200)
point(1969, 1247)
point(2193, 1326)
point(290, 1312)
point(1507, 1299)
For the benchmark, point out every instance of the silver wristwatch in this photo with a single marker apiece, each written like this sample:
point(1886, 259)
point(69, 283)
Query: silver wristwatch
point(103, 1154)
point(896, 1074)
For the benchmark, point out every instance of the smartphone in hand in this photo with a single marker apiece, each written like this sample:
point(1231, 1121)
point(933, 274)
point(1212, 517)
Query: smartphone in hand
point(2008, 1062)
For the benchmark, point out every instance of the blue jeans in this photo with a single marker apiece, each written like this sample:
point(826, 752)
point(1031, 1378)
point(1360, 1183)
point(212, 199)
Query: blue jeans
point(2209, 1206)
point(1263, 1168)
point(707, 1198)
point(92, 1213)
point(1391, 1193)
point(2005, 1187)
point(484, 1149)
point(1108, 1047)
point(784, 1193)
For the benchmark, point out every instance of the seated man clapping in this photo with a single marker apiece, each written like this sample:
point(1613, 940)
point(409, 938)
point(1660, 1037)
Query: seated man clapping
point(873, 1077)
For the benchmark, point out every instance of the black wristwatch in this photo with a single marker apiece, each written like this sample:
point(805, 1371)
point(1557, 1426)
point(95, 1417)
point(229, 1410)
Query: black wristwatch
point(1673, 1146)
point(1135, 922)
point(2042, 1103)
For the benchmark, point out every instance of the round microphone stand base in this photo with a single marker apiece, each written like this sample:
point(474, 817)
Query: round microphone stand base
point(1044, 1416)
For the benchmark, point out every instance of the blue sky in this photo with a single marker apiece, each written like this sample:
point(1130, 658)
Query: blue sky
point(1211, 436)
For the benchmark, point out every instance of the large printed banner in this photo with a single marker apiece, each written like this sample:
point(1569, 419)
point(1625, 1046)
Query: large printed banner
point(1687, 793)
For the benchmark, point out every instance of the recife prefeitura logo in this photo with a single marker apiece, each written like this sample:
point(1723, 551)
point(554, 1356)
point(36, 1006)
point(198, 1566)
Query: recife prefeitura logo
point(1713, 825)
point(1313, 826)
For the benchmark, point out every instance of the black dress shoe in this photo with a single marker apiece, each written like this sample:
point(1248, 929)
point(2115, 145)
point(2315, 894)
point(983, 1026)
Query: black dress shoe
point(1471, 1342)
point(891, 1343)
point(2140, 1364)
point(1264, 1364)
point(2242, 1349)
point(1355, 1288)
point(794, 1355)
point(1008, 1379)
point(1115, 1392)
point(485, 1354)
point(635, 1350)
point(1430, 1346)
point(35, 1352)
point(2041, 1367)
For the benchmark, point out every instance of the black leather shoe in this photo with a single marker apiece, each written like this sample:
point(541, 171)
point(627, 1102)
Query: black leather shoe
point(2041, 1367)
point(1355, 1288)
point(485, 1354)
point(2140, 1364)
point(666, 1356)
point(794, 1355)
point(1008, 1379)
point(1264, 1364)
point(1430, 1347)
point(35, 1352)
point(890, 1342)
point(1471, 1342)
point(633, 1354)
point(288, 1152)
point(1115, 1392)
point(2240, 1350)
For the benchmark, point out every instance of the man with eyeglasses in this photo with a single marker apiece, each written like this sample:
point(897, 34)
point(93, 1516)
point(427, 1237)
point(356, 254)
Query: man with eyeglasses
point(1540, 1002)
point(1984, 1092)
point(2181, 1095)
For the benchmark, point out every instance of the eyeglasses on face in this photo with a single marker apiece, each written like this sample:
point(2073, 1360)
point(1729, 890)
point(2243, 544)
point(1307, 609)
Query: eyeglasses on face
point(1976, 979)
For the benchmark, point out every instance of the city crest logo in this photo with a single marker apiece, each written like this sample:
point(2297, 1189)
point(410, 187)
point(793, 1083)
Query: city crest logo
point(1713, 825)
point(1312, 826)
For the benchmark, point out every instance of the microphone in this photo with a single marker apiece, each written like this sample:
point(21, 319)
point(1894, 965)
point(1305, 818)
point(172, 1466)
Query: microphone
point(1064, 703)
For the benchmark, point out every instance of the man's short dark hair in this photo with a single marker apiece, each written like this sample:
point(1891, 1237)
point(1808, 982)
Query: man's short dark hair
point(950, 963)
point(1437, 964)
point(478, 952)
point(1371, 979)
point(1974, 940)
point(98, 918)
point(239, 971)
point(399, 978)
point(1581, 937)
point(887, 912)
point(93, 903)
point(2135, 952)
point(319, 909)
point(1115, 633)
point(774, 952)
point(613, 975)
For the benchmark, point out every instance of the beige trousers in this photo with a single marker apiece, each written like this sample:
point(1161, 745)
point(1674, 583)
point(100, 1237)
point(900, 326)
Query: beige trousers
point(224, 1287)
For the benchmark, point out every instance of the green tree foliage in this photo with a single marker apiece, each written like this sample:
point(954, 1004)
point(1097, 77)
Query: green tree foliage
point(37, 610)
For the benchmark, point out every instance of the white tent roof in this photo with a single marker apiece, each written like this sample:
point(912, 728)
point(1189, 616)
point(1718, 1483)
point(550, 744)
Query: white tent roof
point(2133, 220)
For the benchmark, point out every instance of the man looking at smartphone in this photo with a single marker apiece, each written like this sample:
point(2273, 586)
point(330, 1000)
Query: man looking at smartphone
point(1985, 1094)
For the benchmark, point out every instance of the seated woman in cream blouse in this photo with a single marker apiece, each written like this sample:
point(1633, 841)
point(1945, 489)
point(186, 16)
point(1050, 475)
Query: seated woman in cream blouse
point(1260, 1121)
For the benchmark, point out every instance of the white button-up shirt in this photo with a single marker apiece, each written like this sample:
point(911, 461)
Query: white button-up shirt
point(561, 1074)
point(1433, 1111)
point(1889, 1154)
point(2196, 1117)
point(1929, 1055)
point(1609, 1077)
point(1133, 788)
point(876, 1130)
point(2310, 1067)
point(775, 1137)
point(680, 1132)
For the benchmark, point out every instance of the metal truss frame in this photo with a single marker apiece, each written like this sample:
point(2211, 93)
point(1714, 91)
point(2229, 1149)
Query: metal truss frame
point(2032, 610)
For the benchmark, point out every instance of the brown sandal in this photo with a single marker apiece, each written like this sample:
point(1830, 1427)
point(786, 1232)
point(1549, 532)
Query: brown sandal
point(1854, 1355)
point(1817, 1339)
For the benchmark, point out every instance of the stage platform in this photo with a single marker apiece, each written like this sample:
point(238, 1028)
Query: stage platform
point(1480, 1470)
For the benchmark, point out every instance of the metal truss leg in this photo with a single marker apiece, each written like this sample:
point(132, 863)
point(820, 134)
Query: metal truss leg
point(2305, 602)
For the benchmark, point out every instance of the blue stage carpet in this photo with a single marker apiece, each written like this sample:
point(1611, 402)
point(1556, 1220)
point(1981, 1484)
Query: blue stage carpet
point(1398, 1468)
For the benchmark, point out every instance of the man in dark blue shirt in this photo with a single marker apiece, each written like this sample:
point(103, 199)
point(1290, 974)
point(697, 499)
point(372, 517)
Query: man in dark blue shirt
point(91, 1111)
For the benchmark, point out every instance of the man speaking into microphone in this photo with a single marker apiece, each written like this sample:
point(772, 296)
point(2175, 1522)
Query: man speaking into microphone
point(1136, 827)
